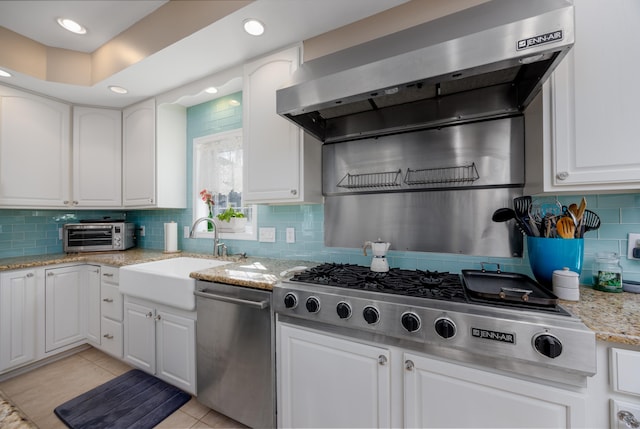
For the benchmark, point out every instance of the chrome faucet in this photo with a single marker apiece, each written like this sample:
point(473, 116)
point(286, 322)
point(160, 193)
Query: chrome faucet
point(219, 249)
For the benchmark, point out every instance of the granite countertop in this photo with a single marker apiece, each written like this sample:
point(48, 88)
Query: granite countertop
point(614, 317)
point(260, 273)
point(116, 259)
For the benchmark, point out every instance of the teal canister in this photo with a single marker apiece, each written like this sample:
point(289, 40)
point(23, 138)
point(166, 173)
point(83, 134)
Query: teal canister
point(607, 272)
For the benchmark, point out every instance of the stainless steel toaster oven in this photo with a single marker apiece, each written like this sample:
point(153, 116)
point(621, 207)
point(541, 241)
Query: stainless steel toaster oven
point(98, 236)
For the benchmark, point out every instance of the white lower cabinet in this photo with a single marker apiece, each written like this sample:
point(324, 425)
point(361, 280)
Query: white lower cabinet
point(435, 390)
point(330, 381)
point(18, 307)
point(161, 340)
point(65, 306)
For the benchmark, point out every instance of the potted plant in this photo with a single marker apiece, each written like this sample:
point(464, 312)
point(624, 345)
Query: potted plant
point(231, 220)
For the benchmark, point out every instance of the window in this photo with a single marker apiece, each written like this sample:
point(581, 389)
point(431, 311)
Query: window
point(217, 168)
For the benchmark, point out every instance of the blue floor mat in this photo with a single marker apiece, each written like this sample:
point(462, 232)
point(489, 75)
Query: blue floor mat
point(133, 400)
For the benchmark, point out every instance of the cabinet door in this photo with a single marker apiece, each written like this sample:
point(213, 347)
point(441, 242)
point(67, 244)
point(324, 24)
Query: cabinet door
point(593, 124)
point(65, 306)
point(175, 346)
point(324, 381)
point(17, 318)
point(139, 154)
point(441, 394)
point(272, 145)
point(97, 157)
point(34, 150)
point(93, 304)
point(140, 336)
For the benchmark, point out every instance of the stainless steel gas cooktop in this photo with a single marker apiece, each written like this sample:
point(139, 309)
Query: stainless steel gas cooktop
point(434, 312)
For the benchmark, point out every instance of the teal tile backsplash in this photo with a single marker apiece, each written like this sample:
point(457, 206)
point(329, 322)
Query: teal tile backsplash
point(30, 232)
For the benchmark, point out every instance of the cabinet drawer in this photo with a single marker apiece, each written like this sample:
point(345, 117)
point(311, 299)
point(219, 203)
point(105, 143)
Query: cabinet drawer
point(112, 337)
point(624, 371)
point(110, 274)
point(111, 302)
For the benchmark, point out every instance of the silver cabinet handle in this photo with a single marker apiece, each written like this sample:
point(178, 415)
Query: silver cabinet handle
point(563, 175)
point(408, 365)
point(628, 419)
point(294, 192)
point(65, 202)
point(75, 203)
point(382, 360)
point(230, 299)
point(108, 336)
point(149, 315)
point(158, 317)
point(29, 275)
point(50, 274)
point(107, 274)
point(108, 300)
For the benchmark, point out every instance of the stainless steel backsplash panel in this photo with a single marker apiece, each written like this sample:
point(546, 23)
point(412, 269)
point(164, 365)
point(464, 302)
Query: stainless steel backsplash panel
point(457, 221)
point(469, 171)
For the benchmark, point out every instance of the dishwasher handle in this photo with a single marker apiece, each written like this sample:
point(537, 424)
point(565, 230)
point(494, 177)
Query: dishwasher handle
point(261, 305)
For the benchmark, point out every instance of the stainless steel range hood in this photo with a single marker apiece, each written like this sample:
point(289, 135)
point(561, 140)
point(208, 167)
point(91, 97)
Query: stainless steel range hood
point(488, 61)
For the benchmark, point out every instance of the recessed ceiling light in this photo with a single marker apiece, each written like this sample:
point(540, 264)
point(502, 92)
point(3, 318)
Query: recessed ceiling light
point(4, 73)
point(118, 89)
point(234, 102)
point(253, 27)
point(71, 25)
point(211, 90)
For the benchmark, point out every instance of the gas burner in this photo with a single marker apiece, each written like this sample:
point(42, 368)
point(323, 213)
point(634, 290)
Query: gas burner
point(421, 284)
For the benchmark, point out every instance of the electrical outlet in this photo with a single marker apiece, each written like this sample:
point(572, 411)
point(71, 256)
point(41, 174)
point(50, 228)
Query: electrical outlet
point(142, 231)
point(185, 233)
point(291, 235)
point(634, 241)
point(59, 233)
point(267, 235)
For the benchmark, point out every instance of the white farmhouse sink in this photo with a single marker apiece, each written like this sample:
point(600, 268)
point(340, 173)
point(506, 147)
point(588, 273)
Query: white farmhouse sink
point(166, 282)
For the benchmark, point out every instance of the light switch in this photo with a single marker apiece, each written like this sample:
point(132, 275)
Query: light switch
point(267, 235)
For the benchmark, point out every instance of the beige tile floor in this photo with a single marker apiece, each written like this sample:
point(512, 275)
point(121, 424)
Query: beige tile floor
point(39, 391)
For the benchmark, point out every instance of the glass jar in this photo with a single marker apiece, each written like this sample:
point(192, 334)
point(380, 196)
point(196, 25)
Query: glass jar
point(607, 272)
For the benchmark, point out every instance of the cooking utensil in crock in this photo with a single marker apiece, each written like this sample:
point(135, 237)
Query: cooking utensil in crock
point(590, 221)
point(565, 227)
point(521, 205)
point(505, 214)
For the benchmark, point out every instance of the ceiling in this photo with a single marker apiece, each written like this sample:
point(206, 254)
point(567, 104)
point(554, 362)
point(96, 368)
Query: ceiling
point(215, 48)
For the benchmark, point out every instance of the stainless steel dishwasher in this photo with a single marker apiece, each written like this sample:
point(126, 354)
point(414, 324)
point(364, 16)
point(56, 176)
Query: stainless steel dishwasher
point(235, 352)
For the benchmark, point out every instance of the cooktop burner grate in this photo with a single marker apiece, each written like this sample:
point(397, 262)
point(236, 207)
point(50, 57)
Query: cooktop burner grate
point(442, 286)
point(423, 284)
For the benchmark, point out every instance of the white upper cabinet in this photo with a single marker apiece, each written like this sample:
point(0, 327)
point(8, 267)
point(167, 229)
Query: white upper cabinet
point(587, 116)
point(154, 155)
point(34, 150)
point(280, 165)
point(97, 157)
point(139, 154)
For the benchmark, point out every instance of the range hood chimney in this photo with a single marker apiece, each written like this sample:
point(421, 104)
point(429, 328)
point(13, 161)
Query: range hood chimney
point(487, 61)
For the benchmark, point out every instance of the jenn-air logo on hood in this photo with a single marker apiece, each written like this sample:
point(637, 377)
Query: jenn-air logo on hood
point(541, 39)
